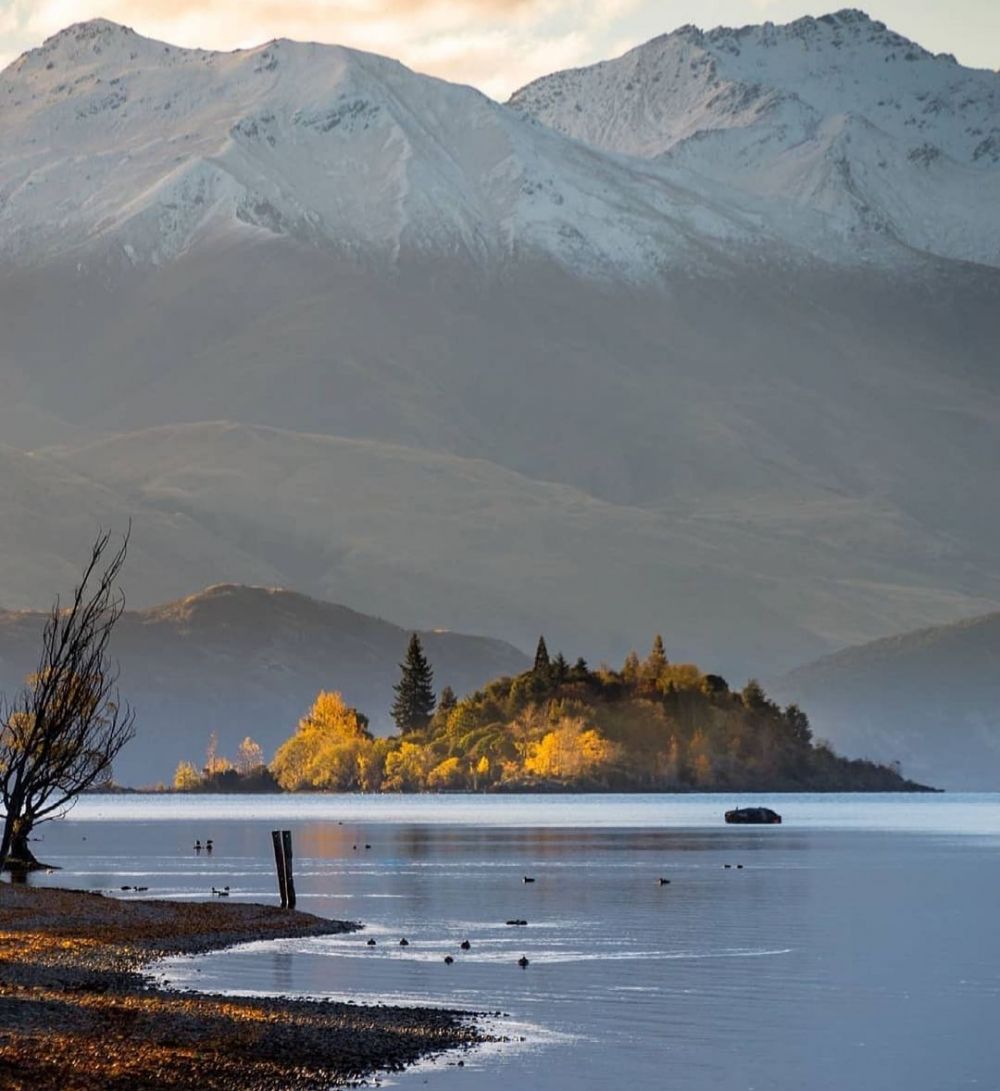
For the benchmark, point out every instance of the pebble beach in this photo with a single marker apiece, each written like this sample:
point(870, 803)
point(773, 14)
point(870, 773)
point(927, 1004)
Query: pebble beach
point(80, 1009)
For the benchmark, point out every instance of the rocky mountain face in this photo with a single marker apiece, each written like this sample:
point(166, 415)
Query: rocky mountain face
point(839, 115)
point(314, 320)
point(249, 661)
point(928, 699)
point(118, 148)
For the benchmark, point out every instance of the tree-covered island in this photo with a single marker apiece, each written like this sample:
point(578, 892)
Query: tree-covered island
point(650, 725)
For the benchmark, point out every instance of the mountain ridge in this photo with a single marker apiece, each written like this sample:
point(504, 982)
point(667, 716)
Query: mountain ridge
point(514, 382)
point(838, 113)
point(243, 661)
point(929, 698)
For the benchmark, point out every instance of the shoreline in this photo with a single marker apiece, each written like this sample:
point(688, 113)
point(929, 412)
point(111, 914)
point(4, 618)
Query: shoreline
point(79, 1009)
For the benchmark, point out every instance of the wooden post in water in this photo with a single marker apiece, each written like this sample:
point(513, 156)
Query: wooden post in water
point(279, 866)
point(286, 844)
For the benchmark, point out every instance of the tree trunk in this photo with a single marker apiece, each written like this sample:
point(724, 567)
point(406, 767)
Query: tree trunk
point(19, 856)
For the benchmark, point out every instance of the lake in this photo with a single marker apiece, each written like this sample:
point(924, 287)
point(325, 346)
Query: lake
point(853, 947)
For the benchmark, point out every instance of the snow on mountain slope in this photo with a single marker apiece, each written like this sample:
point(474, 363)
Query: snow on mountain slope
point(839, 114)
point(769, 451)
point(111, 139)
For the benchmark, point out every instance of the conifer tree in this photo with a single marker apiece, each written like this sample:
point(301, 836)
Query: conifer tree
point(447, 701)
point(630, 668)
point(542, 663)
point(560, 668)
point(657, 656)
point(414, 703)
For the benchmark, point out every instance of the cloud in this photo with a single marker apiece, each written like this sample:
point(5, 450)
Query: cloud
point(495, 45)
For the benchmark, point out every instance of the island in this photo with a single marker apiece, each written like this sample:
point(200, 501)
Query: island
point(650, 725)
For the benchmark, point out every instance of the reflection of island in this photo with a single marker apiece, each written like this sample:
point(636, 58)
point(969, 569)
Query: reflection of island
point(651, 725)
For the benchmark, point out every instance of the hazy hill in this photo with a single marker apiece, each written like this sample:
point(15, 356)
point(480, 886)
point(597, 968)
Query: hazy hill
point(249, 661)
point(484, 374)
point(465, 544)
point(929, 699)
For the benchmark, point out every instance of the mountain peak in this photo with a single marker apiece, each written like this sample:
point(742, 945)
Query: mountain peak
point(763, 108)
point(91, 36)
point(94, 44)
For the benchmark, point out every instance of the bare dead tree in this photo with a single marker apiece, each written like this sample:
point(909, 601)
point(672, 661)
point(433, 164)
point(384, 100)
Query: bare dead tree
point(62, 734)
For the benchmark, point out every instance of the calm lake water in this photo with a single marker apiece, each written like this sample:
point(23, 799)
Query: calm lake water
point(856, 949)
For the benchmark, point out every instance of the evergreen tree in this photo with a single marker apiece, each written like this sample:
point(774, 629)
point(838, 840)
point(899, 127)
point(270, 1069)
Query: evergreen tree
point(657, 657)
point(542, 663)
point(798, 725)
point(630, 668)
point(414, 703)
point(560, 668)
point(754, 697)
point(447, 700)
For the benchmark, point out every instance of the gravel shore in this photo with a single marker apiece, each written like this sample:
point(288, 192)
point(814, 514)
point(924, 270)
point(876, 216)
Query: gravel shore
point(78, 1012)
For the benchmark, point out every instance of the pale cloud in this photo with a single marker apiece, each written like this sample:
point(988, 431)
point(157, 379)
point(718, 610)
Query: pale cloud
point(496, 45)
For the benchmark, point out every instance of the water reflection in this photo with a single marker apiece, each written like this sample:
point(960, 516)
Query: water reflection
point(861, 959)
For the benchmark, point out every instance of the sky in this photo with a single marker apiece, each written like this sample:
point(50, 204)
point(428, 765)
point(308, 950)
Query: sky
point(496, 45)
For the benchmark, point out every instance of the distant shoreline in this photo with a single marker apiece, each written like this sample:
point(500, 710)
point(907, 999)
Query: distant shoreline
point(521, 789)
point(79, 1010)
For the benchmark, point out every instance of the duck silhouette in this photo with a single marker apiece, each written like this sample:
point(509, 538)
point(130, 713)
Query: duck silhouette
point(223, 893)
point(527, 879)
point(663, 882)
point(465, 945)
point(371, 943)
point(522, 962)
point(448, 960)
point(404, 942)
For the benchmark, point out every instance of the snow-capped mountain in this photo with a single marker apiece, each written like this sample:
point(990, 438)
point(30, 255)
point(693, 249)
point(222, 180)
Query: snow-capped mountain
point(838, 114)
point(112, 140)
point(482, 373)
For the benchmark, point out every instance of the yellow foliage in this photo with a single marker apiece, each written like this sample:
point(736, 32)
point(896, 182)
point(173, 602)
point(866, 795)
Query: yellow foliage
point(700, 755)
point(462, 718)
point(214, 763)
point(681, 675)
point(186, 777)
point(249, 756)
point(569, 751)
point(331, 749)
point(406, 768)
point(330, 715)
point(447, 774)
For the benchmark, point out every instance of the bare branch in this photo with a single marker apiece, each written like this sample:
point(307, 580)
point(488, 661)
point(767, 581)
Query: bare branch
point(61, 735)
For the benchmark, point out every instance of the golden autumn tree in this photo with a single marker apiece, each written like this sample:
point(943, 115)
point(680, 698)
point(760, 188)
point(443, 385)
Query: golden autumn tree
point(186, 777)
point(249, 757)
point(446, 774)
point(570, 750)
point(407, 767)
point(329, 750)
